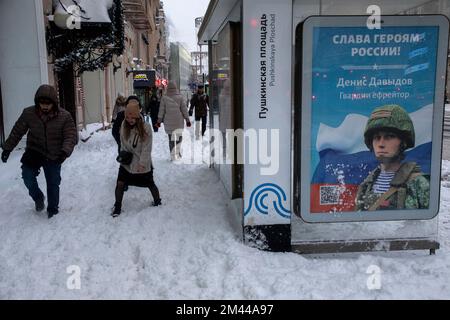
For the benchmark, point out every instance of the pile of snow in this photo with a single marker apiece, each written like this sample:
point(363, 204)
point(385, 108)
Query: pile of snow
point(185, 249)
point(92, 128)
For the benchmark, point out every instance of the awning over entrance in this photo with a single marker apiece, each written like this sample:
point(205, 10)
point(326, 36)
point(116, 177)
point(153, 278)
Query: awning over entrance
point(217, 15)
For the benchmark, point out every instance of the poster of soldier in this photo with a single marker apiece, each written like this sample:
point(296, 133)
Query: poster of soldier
point(375, 113)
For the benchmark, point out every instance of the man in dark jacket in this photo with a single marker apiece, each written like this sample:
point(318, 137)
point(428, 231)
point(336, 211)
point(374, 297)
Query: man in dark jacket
point(51, 138)
point(199, 102)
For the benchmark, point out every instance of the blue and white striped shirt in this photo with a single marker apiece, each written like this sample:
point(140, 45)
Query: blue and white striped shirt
point(382, 184)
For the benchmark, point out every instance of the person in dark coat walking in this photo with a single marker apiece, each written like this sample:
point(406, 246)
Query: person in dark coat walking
point(154, 109)
point(199, 103)
point(51, 138)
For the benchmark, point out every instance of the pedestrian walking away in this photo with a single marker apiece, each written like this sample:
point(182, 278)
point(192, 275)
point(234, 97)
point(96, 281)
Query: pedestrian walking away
point(173, 113)
point(200, 105)
point(154, 109)
point(51, 138)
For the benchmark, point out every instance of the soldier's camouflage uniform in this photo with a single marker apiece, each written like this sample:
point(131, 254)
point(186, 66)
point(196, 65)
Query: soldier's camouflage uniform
point(413, 190)
point(409, 188)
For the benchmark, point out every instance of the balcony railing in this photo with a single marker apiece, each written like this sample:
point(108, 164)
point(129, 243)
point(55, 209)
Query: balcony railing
point(135, 13)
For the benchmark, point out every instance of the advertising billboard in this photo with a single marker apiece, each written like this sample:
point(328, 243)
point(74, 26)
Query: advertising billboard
point(371, 117)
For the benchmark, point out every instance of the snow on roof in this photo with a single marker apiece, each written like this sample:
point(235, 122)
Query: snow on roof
point(90, 10)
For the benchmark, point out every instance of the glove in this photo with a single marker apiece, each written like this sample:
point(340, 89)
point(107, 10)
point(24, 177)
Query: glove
point(5, 155)
point(188, 123)
point(158, 125)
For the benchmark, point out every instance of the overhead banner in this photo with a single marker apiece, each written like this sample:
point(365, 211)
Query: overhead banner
point(372, 108)
point(267, 64)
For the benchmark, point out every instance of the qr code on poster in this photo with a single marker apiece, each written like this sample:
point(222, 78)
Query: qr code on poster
point(329, 195)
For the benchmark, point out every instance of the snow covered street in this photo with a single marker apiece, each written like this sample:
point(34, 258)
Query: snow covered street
point(185, 249)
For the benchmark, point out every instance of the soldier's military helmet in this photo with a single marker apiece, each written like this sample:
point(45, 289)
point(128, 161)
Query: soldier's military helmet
point(390, 118)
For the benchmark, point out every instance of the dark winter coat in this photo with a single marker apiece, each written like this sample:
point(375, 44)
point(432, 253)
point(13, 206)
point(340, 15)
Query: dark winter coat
point(200, 103)
point(154, 109)
point(52, 137)
point(410, 190)
point(116, 126)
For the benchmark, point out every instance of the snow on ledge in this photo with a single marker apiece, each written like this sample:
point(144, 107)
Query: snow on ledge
point(92, 128)
point(95, 10)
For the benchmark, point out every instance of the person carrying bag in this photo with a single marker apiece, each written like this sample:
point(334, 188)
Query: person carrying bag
point(135, 157)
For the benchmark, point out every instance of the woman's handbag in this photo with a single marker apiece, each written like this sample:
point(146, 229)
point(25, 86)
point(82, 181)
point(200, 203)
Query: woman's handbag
point(124, 157)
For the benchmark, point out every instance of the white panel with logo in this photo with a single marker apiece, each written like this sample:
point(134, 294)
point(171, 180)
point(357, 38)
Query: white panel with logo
point(267, 34)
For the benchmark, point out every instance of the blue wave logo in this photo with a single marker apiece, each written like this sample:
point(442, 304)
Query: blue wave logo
point(260, 193)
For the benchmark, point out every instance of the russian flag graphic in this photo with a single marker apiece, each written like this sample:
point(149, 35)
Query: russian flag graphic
point(344, 161)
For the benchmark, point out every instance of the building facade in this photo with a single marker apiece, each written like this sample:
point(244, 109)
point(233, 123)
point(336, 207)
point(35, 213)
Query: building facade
point(87, 88)
point(23, 66)
point(180, 66)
